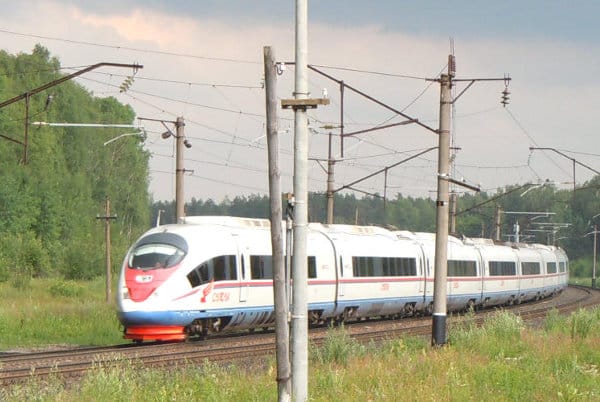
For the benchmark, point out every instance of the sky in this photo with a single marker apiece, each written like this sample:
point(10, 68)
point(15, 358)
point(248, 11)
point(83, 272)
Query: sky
point(203, 61)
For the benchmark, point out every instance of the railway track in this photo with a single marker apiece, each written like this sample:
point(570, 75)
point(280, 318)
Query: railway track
point(72, 364)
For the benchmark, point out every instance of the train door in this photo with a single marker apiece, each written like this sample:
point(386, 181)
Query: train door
point(424, 270)
point(243, 267)
point(481, 273)
point(341, 271)
point(340, 276)
point(427, 272)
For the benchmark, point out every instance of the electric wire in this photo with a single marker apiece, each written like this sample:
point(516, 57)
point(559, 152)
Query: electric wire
point(370, 72)
point(524, 131)
point(129, 48)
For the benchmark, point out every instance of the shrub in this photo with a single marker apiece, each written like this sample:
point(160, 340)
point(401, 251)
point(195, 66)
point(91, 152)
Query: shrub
point(66, 289)
point(22, 256)
point(82, 261)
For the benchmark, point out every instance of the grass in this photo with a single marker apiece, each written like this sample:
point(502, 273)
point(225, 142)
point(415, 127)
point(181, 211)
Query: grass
point(584, 281)
point(45, 311)
point(501, 360)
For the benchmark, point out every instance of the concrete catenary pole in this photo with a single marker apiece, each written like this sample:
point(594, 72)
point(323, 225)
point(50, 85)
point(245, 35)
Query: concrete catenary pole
point(453, 201)
point(179, 170)
point(330, 184)
point(441, 238)
point(299, 263)
point(594, 264)
point(282, 333)
point(497, 223)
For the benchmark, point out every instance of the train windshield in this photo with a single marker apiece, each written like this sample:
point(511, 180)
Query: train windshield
point(155, 256)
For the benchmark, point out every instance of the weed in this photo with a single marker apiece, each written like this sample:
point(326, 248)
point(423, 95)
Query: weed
point(554, 321)
point(338, 347)
point(66, 289)
point(582, 322)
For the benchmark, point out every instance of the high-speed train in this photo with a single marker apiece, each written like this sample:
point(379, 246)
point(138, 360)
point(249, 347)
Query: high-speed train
point(214, 273)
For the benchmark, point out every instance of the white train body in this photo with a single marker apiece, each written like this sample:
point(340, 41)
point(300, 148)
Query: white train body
point(215, 273)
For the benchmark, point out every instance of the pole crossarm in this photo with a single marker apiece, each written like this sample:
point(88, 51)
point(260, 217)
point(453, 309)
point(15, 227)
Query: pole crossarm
point(471, 81)
point(303, 103)
point(158, 120)
point(461, 183)
point(384, 169)
point(564, 155)
point(493, 198)
point(368, 130)
point(363, 94)
point(66, 78)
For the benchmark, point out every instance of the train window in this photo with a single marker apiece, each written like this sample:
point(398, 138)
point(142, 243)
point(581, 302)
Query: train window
point(462, 268)
point(384, 266)
point(551, 267)
point(530, 268)
point(312, 266)
point(562, 266)
point(503, 268)
point(261, 266)
point(155, 256)
point(221, 268)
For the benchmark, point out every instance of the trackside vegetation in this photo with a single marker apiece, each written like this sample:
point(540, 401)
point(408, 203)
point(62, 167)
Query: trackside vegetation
point(501, 360)
point(35, 313)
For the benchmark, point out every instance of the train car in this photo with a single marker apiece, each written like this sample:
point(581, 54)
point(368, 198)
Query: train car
point(532, 272)
point(211, 274)
point(379, 272)
point(550, 264)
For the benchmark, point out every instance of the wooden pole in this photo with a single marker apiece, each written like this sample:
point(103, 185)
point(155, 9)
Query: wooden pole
point(282, 351)
point(107, 218)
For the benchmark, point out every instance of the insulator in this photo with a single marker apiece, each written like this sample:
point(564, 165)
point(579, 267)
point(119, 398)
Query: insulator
point(505, 97)
point(451, 65)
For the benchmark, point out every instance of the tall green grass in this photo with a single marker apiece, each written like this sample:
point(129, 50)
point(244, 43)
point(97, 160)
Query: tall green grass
point(53, 311)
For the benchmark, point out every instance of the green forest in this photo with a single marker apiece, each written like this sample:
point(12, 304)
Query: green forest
point(54, 183)
point(49, 199)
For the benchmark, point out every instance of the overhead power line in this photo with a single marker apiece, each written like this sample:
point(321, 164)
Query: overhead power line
point(133, 49)
point(176, 100)
point(170, 81)
point(371, 72)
